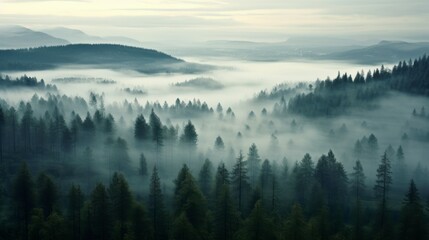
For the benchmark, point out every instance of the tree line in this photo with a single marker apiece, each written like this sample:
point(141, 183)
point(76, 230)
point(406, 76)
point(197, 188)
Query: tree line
point(254, 200)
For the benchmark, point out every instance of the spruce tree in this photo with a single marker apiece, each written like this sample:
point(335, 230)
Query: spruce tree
point(46, 194)
point(253, 164)
point(100, 217)
point(205, 178)
point(142, 165)
point(23, 198)
point(120, 204)
point(157, 212)
point(239, 181)
point(357, 190)
point(141, 128)
point(156, 127)
point(75, 204)
point(413, 224)
point(296, 226)
point(382, 188)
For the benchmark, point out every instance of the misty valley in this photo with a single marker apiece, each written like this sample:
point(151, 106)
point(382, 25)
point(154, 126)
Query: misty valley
point(104, 141)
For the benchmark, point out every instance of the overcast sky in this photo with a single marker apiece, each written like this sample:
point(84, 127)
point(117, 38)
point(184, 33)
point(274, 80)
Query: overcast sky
point(257, 20)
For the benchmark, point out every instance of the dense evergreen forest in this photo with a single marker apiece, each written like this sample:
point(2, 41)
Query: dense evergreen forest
point(337, 96)
point(84, 168)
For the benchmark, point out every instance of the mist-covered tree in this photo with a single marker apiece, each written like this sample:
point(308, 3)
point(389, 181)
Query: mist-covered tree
point(400, 167)
point(100, 217)
point(2, 123)
point(331, 176)
point(239, 181)
point(141, 128)
point(205, 178)
point(157, 212)
point(413, 224)
point(222, 177)
point(268, 184)
point(382, 188)
point(75, 204)
point(121, 158)
point(189, 136)
point(253, 163)
point(142, 165)
point(88, 125)
point(121, 202)
point(357, 190)
point(226, 218)
point(46, 194)
point(190, 203)
point(372, 146)
point(304, 180)
point(219, 145)
point(156, 127)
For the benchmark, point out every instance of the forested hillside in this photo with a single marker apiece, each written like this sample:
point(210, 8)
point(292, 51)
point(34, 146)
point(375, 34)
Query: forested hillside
point(339, 95)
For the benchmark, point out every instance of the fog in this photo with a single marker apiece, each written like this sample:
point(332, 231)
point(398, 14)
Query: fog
point(242, 81)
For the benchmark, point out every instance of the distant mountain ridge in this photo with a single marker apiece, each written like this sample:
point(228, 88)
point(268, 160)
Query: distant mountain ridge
point(77, 36)
point(384, 51)
point(21, 37)
point(110, 56)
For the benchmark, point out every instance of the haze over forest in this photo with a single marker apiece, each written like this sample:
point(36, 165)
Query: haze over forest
point(214, 120)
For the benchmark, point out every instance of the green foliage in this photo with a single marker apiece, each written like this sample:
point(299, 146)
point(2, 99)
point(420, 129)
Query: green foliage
point(295, 226)
point(190, 201)
point(258, 226)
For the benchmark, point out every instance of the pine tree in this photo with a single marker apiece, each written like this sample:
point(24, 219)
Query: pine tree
point(295, 226)
point(120, 203)
point(226, 218)
point(258, 226)
point(46, 194)
point(141, 225)
point(239, 181)
point(219, 145)
point(23, 198)
point(101, 219)
point(413, 225)
point(304, 179)
point(222, 178)
point(75, 204)
point(400, 168)
point(141, 128)
point(54, 227)
point(357, 190)
point(190, 201)
point(157, 134)
point(205, 178)
point(382, 187)
point(143, 165)
point(268, 186)
point(156, 208)
point(253, 163)
point(2, 123)
point(189, 136)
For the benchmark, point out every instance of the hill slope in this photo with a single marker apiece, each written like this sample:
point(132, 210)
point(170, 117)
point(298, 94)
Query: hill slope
point(98, 56)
